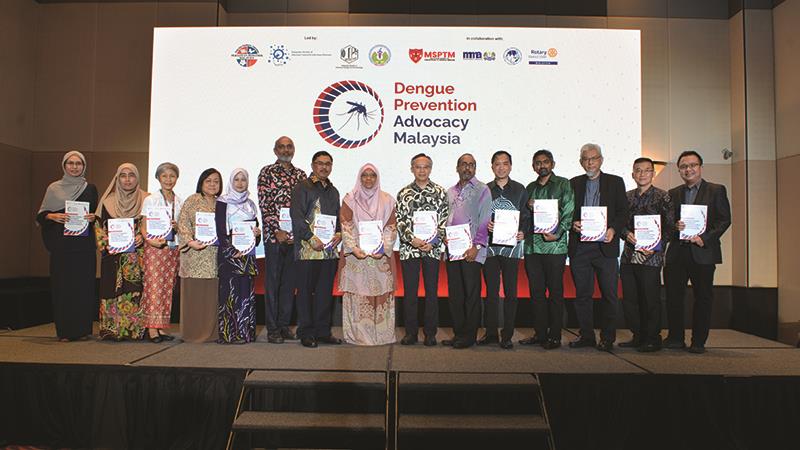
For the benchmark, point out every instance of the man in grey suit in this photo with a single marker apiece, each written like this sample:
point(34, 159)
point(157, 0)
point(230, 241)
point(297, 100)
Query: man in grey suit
point(694, 259)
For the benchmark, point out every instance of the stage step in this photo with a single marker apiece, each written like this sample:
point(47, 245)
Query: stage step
point(468, 382)
point(471, 410)
point(317, 409)
point(262, 379)
point(299, 422)
point(450, 423)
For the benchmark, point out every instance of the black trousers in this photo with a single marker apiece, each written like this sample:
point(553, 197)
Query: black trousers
point(641, 301)
point(464, 286)
point(492, 268)
point(676, 275)
point(430, 276)
point(280, 274)
point(315, 297)
point(546, 273)
point(587, 263)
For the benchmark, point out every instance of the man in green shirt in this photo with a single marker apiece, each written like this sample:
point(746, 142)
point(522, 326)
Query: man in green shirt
point(546, 252)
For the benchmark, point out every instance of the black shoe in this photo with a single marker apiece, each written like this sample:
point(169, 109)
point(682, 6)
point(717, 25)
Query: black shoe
point(166, 337)
point(274, 338)
point(333, 340)
point(534, 340)
point(447, 342)
point(506, 344)
point(580, 342)
point(649, 348)
point(287, 334)
point(308, 342)
point(408, 339)
point(156, 340)
point(430, 341)
point(488, 339)
point(605, 346)
point(462, 344)
point(697, 349)
point(674, 345)
point(551, 344)
point(633, 343)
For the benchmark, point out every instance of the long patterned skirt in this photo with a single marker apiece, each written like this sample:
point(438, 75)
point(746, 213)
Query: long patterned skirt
point(368, 320)
point(237, 309)
point(160, 275)
point(120, 296)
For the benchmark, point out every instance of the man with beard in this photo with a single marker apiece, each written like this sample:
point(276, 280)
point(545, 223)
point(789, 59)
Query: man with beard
point(590, 259)
point(470, 203)
point(546, 253)
point(275, 184)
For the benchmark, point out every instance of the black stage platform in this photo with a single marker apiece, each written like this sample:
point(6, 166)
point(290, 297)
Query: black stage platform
point(743, 393)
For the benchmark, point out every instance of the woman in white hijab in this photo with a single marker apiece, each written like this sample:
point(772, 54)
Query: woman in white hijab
point(237, 269)
point(121, 273)
point(72, 253)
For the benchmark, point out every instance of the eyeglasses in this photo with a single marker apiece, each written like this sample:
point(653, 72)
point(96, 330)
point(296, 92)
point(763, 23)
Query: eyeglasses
point(591, 159)
point(466, 165)
point(323, 164)
point(688, 166)
point(73, 163)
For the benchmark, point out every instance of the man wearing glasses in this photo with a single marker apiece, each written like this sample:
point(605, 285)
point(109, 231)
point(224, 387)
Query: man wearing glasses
point(470, 202)
point(589, 257)
point(641, 265)
point(317, 233)
point(694, 258)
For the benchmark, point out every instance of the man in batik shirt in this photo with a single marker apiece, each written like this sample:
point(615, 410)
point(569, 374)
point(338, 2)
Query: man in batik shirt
point(275, 184)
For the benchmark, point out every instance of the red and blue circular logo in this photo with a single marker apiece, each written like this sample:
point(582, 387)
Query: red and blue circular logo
point(246, 55)
point(348, 114)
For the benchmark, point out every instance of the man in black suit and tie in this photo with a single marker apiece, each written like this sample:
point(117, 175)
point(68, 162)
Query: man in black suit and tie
point(696, 258)
point(588, 259)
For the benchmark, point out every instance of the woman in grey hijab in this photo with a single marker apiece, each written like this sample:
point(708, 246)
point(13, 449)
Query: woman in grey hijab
point(72, 250)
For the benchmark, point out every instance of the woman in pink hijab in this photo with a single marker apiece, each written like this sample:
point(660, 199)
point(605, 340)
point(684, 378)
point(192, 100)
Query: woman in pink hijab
point(367, 267)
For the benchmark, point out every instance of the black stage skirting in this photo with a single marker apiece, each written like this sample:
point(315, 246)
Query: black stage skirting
point(744, 393)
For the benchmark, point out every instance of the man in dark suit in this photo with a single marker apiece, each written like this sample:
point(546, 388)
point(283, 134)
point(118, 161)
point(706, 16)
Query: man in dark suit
point(588, 259)
point(694, 258)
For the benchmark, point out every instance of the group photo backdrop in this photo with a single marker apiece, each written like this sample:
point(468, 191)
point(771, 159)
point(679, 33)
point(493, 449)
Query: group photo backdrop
point(221, 96)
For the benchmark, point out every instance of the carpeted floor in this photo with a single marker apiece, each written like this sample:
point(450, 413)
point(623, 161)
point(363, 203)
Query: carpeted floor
point(729, 353)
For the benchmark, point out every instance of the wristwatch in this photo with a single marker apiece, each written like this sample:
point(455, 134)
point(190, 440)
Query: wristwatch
point(478, 246)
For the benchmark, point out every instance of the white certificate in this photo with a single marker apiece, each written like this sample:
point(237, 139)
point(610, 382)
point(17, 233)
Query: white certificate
point(694, 218)
point(647, 231)
point(545, 216)
point(594, 223)
point(459, 240)
point(159, 222)
point(285, 220)
point(370, 236)
point(205, 228)
point(243, 237)
point(425, 224)
point(324, 227)
point(121, 237)
point(506, 226)
point(76, 224)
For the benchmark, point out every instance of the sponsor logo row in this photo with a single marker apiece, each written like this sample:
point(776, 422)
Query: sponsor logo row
point(247, 55)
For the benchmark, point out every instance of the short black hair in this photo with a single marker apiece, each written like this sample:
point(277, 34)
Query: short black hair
point(690, 153)
point(321, 153)
point(207, 173)
point(546, 153)
point(421, 155)
point(644, 159)
point(502, 152)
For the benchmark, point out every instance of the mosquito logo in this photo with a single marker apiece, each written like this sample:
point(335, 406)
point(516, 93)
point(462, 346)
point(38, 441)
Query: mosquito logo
point(348, 114)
